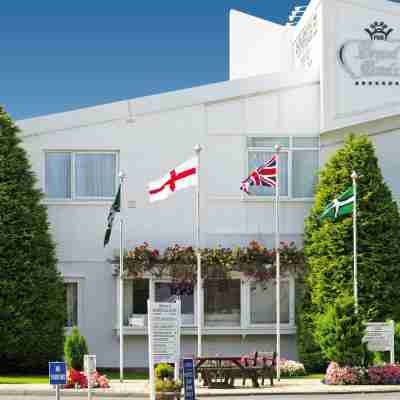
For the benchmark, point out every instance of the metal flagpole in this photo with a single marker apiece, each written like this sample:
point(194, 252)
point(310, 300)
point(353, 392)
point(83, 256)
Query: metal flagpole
point(121, 280)
point(278, 272)
point(197, 150)
point(354, 177)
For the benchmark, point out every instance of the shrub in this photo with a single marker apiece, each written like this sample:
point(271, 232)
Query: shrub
point(164, 371)
point(292, 368)
point(384, 375)
point(339, 331)
point(328, 245)
point(32, 295)
point(336, 375)
point(79, 378)
point(74, 349)
point(397, 343)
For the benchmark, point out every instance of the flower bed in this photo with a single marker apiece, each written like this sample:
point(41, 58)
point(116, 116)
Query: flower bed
point(290, 368)
point(383, 375)
point(78, 379)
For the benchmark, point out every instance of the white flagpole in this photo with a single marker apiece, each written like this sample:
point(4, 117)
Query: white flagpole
point(354, 177)
point(278, 272)
point(121, 279)
point(197, 150)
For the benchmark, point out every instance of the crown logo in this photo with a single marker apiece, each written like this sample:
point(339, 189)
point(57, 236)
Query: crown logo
point(378, 31)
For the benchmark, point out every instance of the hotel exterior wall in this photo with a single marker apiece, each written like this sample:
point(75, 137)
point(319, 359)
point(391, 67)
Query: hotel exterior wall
point(148, 147)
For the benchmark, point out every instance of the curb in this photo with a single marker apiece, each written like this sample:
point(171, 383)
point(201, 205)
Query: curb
point(231, 393)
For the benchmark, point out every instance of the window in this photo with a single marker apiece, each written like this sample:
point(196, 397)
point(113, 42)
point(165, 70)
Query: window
point(222, 303)
point(140, 296)
point(263, 303)
point(165, 290)
point(71, 289)
point(80, 175)
point(298, 166)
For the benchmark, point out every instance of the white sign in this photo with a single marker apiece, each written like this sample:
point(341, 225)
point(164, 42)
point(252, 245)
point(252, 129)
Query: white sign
point(380, 337)
point(164, 323)
point(136, 321)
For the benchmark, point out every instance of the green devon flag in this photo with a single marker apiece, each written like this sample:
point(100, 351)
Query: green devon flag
point(116, 207)
point(339, 207)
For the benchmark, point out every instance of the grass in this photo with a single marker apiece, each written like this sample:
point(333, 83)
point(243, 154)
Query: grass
point(127, 375)
point(21, 379)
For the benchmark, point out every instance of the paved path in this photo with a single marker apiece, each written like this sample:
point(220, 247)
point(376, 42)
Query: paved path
point(365, 396)
point(139, 389)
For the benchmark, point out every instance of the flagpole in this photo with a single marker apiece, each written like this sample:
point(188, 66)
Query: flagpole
point(121, 280)
point(197, 150)
point(354, 177)
point(278, 272)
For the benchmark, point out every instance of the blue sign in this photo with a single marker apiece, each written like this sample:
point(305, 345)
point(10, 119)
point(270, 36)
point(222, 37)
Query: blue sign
point(57, 373)
point(188, 378)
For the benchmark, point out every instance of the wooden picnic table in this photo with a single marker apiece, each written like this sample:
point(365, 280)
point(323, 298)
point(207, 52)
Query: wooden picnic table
point(222, 371)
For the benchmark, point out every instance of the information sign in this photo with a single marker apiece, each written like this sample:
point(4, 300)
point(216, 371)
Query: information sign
point(379, 336)
point(188, 379)
point(57, 373)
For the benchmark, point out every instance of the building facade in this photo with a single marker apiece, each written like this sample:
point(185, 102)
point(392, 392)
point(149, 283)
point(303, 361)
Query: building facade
point(304, 87)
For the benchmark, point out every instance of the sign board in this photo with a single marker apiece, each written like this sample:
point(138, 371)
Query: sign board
point(164, 323)
point(379, 336)
point(57, 373)
point(89, 363)
point(164, 329)
point(136, 321)
point(188, 379)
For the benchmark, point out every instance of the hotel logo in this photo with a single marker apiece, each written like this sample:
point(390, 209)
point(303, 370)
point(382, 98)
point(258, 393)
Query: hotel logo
point(368, 61)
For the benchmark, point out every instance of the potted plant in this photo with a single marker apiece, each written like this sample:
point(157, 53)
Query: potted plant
point(167, 388)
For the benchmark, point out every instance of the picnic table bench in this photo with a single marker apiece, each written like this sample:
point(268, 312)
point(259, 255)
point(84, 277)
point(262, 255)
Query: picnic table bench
point(222, 371)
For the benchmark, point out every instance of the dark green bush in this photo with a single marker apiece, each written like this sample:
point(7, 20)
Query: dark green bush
point(339, 332)
point(74, 349)
point(32, 295)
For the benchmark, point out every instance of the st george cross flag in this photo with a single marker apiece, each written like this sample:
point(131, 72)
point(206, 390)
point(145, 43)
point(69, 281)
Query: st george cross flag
point(339, 207)
point(181, 177)
point(265, 175)
point(116, 207)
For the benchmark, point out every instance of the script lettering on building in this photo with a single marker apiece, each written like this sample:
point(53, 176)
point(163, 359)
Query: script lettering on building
point(378, 56)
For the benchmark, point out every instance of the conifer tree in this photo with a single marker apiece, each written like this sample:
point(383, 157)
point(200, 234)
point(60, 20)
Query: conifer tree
point(329, 244)
point(32, 295)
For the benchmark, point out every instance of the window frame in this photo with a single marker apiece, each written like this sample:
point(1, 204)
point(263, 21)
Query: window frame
point(285, 149)
point(247, 308)
point(73, 153)
point(79, 293)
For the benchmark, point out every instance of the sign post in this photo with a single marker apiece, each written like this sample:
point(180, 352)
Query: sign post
point(89, 364)
point(57, 375)
point(188, 379)
point(164, 323)
point(380, 337)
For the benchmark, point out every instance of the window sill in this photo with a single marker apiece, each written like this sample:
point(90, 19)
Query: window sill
point(99, 203)
point(260, 199)
point(286, 329)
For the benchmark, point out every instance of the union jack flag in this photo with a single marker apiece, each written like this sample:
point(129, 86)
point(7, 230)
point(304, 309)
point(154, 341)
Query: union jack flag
point(262, 176)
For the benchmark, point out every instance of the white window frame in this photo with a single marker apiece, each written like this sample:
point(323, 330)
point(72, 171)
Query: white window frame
point(153, 283)
point(73, 154)
point(80, 309)
point(235, 276)
point(285, 149)
point(247, 307)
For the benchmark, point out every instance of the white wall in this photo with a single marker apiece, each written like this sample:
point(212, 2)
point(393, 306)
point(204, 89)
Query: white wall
point(149, 144)
point(257, 46)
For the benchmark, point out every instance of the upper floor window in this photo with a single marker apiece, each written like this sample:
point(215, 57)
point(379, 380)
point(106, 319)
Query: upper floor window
point(298, 164)
point(71, 289)
point(80, 175)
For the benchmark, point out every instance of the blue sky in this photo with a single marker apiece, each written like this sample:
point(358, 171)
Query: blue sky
point(62, 55)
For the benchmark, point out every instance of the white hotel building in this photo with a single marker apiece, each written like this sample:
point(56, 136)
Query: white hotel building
point(305, 86)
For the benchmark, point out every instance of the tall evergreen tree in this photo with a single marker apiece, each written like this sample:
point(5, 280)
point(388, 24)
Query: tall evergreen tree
point(329, 244)
point(32, 295)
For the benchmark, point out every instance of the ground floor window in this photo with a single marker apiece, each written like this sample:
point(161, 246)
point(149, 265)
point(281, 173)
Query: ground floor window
point(71, 289)
point(222, 303)
point(263, 302)
point(235, 303)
